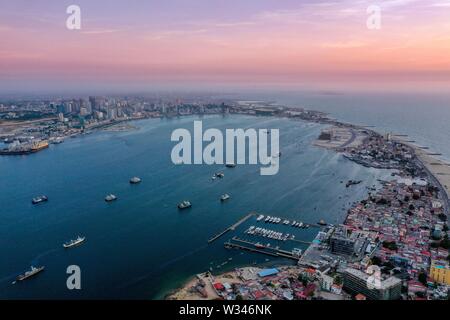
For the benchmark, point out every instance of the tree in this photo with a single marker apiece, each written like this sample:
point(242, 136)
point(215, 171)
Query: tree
point(338, 280)
point(391, 245)
point(376, 260)
point(423, 278)
point(445, 243)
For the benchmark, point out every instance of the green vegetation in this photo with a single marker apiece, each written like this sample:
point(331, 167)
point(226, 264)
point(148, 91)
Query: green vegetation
point(376, 261)
point(338, 280)
point(423, 278)
point(391, 245)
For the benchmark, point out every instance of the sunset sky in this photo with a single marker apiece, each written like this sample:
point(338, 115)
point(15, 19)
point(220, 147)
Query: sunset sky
point(205, 43)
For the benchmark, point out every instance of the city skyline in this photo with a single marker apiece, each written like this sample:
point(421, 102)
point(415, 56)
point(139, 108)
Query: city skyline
point(293, 44)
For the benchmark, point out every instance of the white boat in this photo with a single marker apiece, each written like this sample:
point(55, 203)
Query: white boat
point(184, 204)
point(135, 180)
point(75, 242)
point(110, 197)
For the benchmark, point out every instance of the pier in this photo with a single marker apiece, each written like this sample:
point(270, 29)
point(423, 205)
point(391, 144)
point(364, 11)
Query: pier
point(270, 251)
point(232, 227)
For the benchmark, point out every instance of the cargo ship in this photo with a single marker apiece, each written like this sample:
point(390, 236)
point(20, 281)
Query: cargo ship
point(24, 148)
point(75, 242)
point(32, 272)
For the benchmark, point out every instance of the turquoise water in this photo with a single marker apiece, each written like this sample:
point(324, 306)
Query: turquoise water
point(141, 246)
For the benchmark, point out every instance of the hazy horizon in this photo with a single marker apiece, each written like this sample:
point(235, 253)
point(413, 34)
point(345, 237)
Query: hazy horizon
point(136, 46)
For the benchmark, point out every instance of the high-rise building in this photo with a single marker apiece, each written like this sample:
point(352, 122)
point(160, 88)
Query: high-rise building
point(356, 282)
point(348, 242)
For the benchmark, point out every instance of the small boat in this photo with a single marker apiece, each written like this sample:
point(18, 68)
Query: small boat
point(224, 197)
point(219, 174)
point(322, 222)
point(230, 165)
point(32, 272)
point(184, 205)
point(135, 180)
point(110, 197)
point(39, 199)
point(75, 242)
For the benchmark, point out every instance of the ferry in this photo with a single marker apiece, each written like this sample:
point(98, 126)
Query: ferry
point(184, 205)
point(135, 180)
point(39, 199)
point(110, 197)
point(28, 274)
point(224, 197)
point(75, 242)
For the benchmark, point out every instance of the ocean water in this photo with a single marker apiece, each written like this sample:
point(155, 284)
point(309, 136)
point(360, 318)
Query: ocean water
point(424, 117)
point(142, 246)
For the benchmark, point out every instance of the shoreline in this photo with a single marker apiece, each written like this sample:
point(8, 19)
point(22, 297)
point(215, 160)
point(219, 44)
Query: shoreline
point(420, 158)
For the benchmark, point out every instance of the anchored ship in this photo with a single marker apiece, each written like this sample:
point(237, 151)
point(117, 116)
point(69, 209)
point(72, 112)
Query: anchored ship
point(184, 205)
point(39, 199)
point(74, 242)
point(32, 272)
point(135, 180)
point(110, 197)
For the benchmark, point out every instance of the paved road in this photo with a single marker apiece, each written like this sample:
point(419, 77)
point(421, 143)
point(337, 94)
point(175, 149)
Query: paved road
point(349, 141)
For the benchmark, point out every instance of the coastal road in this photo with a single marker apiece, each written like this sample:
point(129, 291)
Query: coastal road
point(349, 141)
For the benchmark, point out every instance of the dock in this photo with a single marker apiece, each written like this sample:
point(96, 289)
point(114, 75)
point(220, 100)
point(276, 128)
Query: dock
point(232, 227)
point(269, 251)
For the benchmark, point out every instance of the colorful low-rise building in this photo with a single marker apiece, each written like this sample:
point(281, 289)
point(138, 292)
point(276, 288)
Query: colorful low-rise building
point(440, 272)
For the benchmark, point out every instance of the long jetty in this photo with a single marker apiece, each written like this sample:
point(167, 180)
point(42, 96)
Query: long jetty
point(232, 227)
point(270, 251)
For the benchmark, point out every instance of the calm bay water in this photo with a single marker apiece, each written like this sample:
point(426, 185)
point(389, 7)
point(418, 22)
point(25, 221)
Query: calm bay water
point(141, 246)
